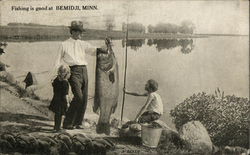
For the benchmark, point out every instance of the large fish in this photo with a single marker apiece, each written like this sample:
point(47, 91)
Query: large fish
point(106, 88)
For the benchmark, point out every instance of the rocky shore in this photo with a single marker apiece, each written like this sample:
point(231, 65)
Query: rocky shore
point(23, 115)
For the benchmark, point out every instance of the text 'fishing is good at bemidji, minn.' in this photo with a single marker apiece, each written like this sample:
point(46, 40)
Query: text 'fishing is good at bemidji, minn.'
point(59, 7)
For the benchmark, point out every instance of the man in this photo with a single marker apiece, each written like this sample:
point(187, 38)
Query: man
point(72, 52)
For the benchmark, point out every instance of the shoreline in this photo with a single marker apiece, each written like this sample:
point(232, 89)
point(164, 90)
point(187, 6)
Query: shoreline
point(27, 116)
point(62, 38)
point(24, 115)
point(53, 33)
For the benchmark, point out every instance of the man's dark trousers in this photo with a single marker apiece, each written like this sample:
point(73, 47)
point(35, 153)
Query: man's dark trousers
point(79, 86)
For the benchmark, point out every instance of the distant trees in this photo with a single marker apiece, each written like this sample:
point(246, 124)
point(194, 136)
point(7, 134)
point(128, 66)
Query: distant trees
point(150, 29)
point(124, 27)
point(134, 27)
point(110, 23)
point(33, 25)
point(164, 28)
point(186, 27)
point(25, 24)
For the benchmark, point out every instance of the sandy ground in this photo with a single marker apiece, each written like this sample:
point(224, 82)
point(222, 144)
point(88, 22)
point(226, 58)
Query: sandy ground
point(24, 115)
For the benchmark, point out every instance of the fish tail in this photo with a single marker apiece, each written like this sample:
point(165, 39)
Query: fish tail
point(114, 107)
point(103, 128)
point(96, 105)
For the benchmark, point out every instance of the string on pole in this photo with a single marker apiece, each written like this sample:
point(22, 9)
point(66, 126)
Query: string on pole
point(125, 70)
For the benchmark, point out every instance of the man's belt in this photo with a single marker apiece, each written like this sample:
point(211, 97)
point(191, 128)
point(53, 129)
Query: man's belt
point(75, 66)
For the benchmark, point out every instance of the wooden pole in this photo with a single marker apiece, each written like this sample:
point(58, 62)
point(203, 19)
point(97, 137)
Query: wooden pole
point(125, 70)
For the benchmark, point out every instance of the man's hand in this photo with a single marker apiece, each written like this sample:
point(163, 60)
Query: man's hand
point(104, 47)
point(108, 42)
point(102, 51)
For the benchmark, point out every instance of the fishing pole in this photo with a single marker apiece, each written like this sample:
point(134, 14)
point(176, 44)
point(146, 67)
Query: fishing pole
point(125, 69)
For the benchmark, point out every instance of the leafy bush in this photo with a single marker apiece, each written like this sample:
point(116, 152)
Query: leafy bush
point(225, 118)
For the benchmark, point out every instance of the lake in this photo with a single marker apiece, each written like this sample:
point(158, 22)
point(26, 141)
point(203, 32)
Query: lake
point(182, 67)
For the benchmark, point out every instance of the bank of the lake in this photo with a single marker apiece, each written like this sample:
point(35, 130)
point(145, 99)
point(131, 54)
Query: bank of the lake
point(62, 32)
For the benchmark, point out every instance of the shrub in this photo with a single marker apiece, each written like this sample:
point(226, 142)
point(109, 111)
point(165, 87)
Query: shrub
point(225, 118)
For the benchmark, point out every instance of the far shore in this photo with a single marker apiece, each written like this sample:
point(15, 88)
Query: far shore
point(29, 33)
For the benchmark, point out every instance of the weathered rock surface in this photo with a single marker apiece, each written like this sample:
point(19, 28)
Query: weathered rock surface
point(6, 76)
point(196, 135)
point(170, 135)
point(231, 150)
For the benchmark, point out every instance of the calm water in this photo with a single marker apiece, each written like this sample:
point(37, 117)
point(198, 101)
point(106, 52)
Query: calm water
point(181, 67)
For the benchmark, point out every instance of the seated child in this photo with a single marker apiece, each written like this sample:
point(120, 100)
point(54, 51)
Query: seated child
point(153, 107)
point(60, 97)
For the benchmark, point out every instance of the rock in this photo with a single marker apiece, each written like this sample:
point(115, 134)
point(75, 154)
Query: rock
point(30, 80)
point(89, 122)
point(86, 125)
point(216, 149)
point(171, 136)
point(123, 132)
point(234, 150)
point(231, 150)
point(130, 129)
point(197, 137)
point(31, 89)
point(115, 123)
point(127, 132)
point(21, 84)
point(135, 127)
point(118, 146)
point(7, 77)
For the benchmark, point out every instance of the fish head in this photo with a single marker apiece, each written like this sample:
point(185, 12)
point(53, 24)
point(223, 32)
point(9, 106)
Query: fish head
point(105, 60)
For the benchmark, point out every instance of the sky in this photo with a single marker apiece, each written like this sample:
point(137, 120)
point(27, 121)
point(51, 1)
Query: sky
point(222, 17)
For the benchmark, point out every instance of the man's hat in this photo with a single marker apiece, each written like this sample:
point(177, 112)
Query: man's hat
point(77, 25)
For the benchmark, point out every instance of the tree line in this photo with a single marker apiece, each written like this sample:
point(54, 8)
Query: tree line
point(186, 27)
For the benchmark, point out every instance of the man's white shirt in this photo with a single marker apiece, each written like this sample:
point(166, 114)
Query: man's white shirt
point(73, 52)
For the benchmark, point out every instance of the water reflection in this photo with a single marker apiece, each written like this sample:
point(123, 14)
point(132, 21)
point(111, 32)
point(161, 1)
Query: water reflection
point(187, 45)
point(134, 44)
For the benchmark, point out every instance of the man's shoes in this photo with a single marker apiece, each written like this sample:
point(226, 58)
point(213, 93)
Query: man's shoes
point(79, 127)
point(68, 127)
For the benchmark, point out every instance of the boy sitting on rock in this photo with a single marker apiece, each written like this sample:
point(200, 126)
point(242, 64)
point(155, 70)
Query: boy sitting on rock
point(153, 108)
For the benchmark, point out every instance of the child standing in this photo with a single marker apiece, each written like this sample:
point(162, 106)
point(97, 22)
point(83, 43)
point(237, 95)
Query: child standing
point(60, 97)
point(153, 107)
